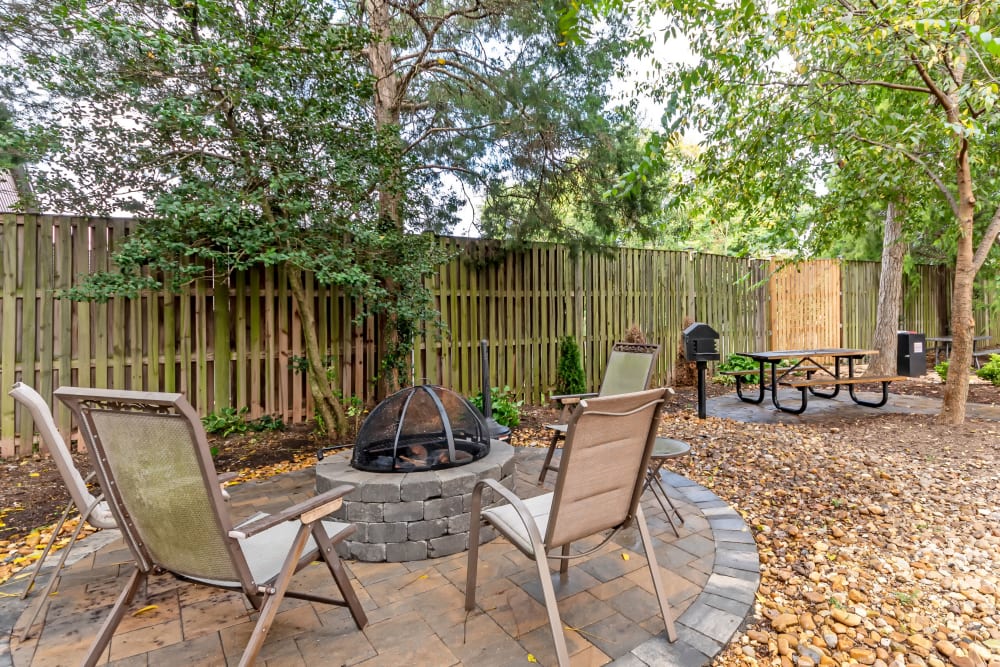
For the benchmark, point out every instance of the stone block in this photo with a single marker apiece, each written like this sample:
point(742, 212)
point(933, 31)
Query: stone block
point(447, 545)
point(456, 481)
point(426, 530)
point(507, 469)
point(358, 511)
point(458, 523)
point(386, 489)
point(369, 553)
point(442, 507)
point(419, 486)
point(490, 472)
point(403, 551)
point(411, 511)
point(386, 532)
point(487, 534)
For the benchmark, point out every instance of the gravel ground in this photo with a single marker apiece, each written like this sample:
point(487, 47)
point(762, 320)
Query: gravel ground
point(879, 540)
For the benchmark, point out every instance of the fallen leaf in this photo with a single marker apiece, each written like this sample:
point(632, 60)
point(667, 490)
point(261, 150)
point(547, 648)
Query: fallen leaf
point(149, 607)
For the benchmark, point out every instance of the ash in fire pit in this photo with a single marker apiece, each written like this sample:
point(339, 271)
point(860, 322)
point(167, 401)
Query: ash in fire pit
point(421, 428)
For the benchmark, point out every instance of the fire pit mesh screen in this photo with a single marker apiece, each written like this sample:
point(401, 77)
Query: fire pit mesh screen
point(421, 428)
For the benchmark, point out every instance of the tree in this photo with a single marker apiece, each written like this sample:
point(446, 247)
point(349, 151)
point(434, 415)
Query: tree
point(480, 91)
point(238, 131)
point(783, 89)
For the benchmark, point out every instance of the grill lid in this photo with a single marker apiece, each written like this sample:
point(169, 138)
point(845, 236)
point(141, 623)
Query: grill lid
point(425, 427)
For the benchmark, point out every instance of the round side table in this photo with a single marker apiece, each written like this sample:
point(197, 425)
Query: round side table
point(665, 449)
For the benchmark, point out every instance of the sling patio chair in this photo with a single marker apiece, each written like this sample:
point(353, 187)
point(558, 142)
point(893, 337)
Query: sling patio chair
point(629, 369)
point(153, 461)
point(93, 510)
point(598, 487)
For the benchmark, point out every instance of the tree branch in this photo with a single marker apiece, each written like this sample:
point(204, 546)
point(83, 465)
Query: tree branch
point(991, 236)
point(913, 157)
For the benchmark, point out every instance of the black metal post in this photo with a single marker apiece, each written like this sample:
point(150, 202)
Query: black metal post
point(484, 359)
point(701, 389)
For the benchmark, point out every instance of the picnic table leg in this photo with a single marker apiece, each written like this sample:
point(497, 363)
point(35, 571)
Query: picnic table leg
point(739, 388)
point(870, 404)
point(774, 395)
point(836, 387)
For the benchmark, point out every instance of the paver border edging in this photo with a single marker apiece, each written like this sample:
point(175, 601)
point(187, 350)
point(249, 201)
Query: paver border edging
point(722, 608)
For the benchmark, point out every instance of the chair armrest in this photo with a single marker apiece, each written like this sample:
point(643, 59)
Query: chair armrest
point(307, 511)
point(523, 513)
point(567, 399)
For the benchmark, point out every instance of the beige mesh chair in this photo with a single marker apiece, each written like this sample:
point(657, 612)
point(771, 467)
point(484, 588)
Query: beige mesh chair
point(629, 369)
point(92, 510)
point(597, 489)
point(153, 462)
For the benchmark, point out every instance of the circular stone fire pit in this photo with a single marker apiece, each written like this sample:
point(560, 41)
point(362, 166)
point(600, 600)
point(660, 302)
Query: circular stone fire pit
point(412, 515)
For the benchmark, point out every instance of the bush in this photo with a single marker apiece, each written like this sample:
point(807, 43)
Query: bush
point(226, 421)
point(506, 407)
point(737, 362)
point(569, 373)
point(266, 423)
point(942, 371)
point(991, 370)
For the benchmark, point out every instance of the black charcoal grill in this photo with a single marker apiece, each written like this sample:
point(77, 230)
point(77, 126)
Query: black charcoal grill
point(426, 427)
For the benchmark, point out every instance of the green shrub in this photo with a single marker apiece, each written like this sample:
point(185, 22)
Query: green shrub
point(506, 407)
point(991, 370)
point(569, 373)
point(942, 371)
point(737, 362)
point(226, 421)
point(267, 423)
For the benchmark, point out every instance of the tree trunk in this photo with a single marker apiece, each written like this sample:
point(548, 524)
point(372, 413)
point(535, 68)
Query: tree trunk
point(387, 103)
point(956, 390)
point(890, 293)
point(328, 407)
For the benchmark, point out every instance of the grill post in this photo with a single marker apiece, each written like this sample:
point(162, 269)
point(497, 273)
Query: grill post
point(701, 345)
point(701, 389)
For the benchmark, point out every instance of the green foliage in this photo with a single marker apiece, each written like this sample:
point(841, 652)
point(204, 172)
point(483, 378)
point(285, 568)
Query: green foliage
point(737, 362)
point(226, 421)
point(942, 370)
point(505, 404)
point(569, 372)
point(267, 423)
point(991, 370)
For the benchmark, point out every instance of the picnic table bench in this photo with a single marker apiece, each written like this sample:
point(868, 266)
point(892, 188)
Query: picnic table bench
point(817, 374)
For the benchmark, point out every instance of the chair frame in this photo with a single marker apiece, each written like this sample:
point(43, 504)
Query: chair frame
point(568, 402)
point(90, 507)
point(264, 596)
point(540, 545)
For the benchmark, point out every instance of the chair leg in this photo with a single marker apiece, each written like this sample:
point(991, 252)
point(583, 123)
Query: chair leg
point(555, 623)
point(273, 597)
point(652, 482)
point(472, 563)
point(48, 547)
point(547, 465)
point(654, 571)
point(114, 618)
point(336, 567)
point(564, 561)
point(55, 573)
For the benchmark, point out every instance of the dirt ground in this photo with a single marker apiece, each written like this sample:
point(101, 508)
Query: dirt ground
point(33, 495)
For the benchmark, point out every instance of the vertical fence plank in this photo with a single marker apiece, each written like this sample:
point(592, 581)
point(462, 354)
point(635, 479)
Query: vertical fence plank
point(8, 350)
point(29, 321)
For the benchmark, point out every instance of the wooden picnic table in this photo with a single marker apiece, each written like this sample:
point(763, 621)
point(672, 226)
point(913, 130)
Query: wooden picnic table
point(943, 344)
point(819, 372)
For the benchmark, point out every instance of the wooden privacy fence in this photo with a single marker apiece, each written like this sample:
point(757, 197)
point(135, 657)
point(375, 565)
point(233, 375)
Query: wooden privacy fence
point(236, 341)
